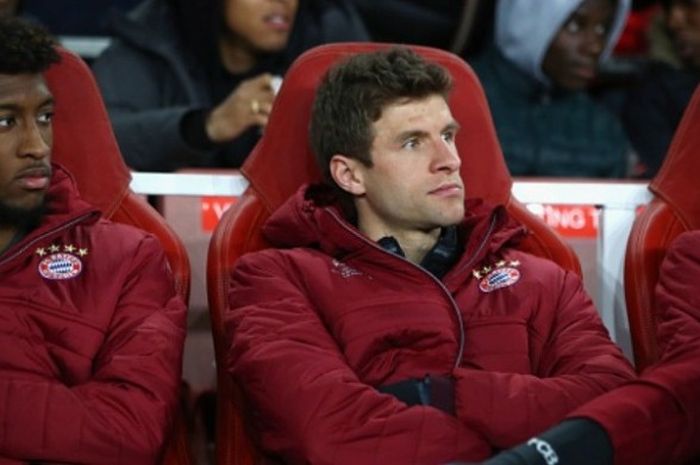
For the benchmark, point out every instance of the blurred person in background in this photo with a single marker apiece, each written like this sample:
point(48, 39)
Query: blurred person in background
point(199, 78)
point(536, 76)
point(655, 107)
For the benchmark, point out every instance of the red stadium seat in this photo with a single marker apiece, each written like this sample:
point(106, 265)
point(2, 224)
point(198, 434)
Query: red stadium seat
point(85, 145)
point(282, 161)
point(674, 208)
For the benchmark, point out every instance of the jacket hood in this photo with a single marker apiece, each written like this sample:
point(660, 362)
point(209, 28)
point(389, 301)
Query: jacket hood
point(313, 218)
point(525, 28)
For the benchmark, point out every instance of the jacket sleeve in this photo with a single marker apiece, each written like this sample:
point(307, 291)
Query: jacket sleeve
point(121, 415)
point(131, 84)
point(309, 405)
point(663, 404)
point(578, 361)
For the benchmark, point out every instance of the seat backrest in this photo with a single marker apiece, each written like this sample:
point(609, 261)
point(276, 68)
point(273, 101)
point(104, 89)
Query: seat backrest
point(282, 161)
point(675, 208)
point(84, 143)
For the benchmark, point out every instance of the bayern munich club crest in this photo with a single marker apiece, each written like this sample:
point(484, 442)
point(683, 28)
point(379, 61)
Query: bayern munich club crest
point(60, 266)
point(502, 274)
point(59, 263)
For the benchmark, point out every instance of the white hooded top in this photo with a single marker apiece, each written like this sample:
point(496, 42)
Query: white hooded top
point(525, 28)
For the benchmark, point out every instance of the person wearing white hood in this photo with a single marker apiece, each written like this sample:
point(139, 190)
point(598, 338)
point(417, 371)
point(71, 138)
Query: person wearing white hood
point(535, 78)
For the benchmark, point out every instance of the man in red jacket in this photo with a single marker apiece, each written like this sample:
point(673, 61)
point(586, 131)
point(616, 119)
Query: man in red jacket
point(91, 328)
point(654, 420)
point(393, 322)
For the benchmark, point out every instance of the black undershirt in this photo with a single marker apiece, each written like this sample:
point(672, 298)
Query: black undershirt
point(439, 260)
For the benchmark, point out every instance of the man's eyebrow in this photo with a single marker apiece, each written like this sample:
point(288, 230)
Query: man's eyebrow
point(13, 106)
point(47, 102)
point(453, 126)
point(411, 133)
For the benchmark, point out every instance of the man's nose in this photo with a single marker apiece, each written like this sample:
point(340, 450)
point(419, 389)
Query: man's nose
point(594, 42)
point(36, 141)
point(446, 157)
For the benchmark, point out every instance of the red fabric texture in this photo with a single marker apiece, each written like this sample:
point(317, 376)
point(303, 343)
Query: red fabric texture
point(317, 323)
point(89, 365)
point(655, 420)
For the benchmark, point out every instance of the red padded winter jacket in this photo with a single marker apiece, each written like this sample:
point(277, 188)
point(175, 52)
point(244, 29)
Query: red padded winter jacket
point(320, 321)
point(91, 339)
point(655, 420)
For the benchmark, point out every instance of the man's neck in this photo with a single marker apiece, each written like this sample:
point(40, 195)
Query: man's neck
point(7, 237)
point(415, 244)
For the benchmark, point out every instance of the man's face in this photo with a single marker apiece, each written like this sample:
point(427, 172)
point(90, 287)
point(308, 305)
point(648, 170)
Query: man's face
point(261, 25)
point(684, 23)
point(572, 58)
point(414, 182)
point(26, 107)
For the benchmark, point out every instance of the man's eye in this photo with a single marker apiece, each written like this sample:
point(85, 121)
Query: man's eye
point(6, 121)
point(45, 117)
point(448, 136)
point(601, 29)
point(411, 143)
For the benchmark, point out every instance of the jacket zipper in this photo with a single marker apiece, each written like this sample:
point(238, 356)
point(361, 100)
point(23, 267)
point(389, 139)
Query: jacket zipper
point(45, 235)
point(455, 308)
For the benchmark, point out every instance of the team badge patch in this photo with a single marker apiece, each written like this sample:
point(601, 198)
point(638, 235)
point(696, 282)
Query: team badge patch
point(499, 278)
point(59, 266)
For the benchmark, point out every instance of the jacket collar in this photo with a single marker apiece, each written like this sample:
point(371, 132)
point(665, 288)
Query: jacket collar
point(63, 207)
point(313, 218)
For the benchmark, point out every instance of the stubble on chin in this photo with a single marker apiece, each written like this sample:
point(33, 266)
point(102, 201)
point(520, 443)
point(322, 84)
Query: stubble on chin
point(22, 219)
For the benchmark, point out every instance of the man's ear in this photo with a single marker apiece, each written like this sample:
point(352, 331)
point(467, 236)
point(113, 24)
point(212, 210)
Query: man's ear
point(347, 174)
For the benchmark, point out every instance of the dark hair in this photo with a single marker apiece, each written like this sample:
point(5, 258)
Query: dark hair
point(353, 94)
point(25, 47)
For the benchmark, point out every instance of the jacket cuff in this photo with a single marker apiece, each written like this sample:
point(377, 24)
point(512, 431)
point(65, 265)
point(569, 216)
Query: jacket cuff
point(572, 442)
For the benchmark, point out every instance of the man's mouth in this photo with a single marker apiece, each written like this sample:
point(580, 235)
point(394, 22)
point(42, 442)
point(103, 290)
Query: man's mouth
point(447, 190)
point(36, 178)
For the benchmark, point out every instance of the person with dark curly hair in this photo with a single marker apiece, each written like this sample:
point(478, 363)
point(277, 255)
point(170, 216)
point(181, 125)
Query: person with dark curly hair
point(91, 327)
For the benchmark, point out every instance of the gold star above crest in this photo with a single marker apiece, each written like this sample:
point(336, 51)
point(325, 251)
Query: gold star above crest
point(82, 252)
point(40, 251)
point(500, 264)
point(477, 274)
point(514, 263)
point(53, 248)
point(70, 248)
